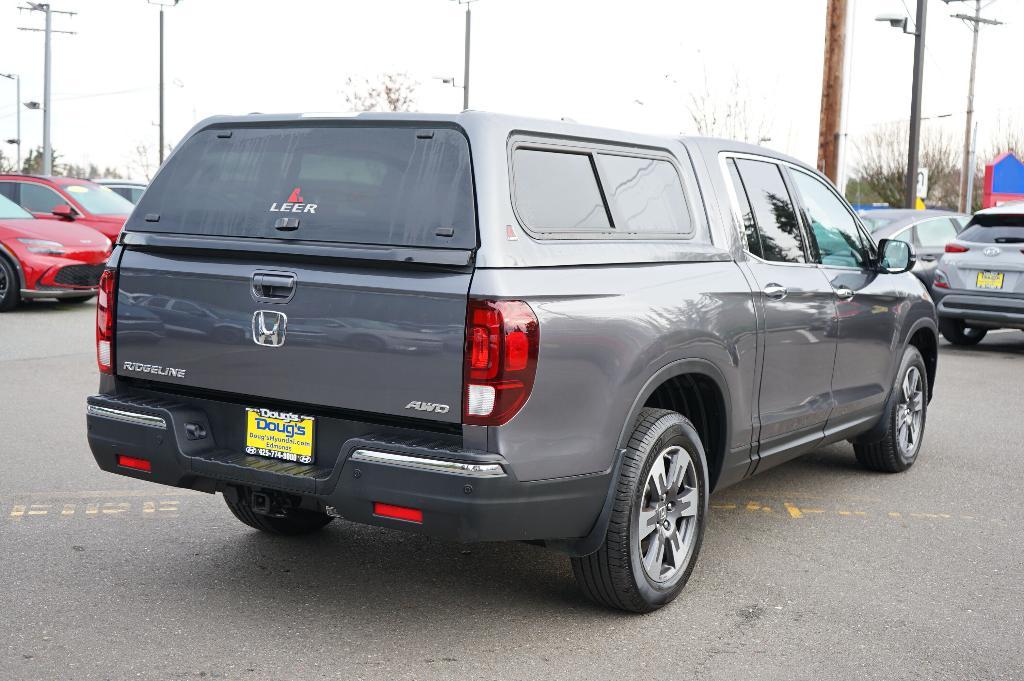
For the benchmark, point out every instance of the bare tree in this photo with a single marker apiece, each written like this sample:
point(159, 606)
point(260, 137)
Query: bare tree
point(8, 164)
point(393, 91)
point(882, 165)
point(729, 112)
point(1008, 135)
point(141, 163)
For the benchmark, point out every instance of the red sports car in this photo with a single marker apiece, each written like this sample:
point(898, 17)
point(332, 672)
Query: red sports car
point(47, 258)
point(69, 199)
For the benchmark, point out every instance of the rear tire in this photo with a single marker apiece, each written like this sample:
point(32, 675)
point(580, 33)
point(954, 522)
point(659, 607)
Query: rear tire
point(957, 333)
point(296, 521)
point(657, 520)
point(10, 287)
point(904, 429)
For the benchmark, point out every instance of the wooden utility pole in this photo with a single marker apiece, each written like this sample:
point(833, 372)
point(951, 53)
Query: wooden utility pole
point(967, 168)
point(832, 89)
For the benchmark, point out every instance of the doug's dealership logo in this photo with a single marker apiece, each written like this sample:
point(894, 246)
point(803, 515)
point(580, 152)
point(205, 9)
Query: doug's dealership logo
point(294, 204)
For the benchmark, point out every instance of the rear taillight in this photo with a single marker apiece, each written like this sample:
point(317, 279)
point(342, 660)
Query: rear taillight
point(502, 338)
point(105, 321)
point(956, 248)
point(940, 280)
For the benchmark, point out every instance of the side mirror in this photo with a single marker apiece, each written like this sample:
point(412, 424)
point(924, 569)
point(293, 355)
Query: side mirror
point(895, 257)
point(64, 211)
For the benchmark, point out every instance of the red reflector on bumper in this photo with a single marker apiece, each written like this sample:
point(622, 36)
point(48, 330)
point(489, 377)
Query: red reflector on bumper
point(132, 462)
point(398, 512)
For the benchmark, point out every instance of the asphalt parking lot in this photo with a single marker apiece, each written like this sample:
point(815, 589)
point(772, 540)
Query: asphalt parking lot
point(816, 570)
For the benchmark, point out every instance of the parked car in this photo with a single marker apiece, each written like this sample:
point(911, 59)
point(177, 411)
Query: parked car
point(979, 282)
point(596, 328)
point(69, 199)
point(928, 230)
point(45, 258)
point(129, 189)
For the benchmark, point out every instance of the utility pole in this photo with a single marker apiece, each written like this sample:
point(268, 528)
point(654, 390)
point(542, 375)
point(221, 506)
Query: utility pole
point(48, 13)
point(910, 188)
point(967, 169)
point(465, 73)
point(832, 89)
point(973, 155)
point(162, 4)
point(17, 104)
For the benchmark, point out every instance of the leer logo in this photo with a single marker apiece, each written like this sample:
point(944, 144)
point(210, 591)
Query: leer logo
point(294, 204)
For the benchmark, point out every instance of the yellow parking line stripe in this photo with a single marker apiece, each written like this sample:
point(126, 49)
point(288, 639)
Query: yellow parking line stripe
point(794, 512)
point(69, 509)
point(17, 511)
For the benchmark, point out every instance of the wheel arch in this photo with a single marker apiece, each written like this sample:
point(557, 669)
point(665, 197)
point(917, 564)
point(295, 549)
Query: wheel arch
point(670, 380)
point(9, 256)
point(924, 336)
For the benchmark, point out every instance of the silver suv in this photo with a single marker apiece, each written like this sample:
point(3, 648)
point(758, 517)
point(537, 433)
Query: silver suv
point(979, 283)
point(483, 327)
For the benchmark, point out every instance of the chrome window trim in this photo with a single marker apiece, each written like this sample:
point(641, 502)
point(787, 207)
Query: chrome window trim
point(473, 470)
point(132, 417)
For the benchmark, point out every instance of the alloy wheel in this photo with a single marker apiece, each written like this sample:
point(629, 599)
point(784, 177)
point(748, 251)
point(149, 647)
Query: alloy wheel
point(910, 413)
point(667, 521)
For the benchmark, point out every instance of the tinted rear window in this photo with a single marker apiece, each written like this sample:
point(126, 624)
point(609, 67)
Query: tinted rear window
point(995, 229)
point(558, 192)
point(645, 193)
point(351, 184)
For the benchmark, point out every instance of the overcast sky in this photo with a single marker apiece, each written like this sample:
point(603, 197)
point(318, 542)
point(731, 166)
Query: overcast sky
point(622, 64)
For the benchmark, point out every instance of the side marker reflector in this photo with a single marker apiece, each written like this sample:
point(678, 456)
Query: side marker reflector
point(133, 463)
point(413, 515)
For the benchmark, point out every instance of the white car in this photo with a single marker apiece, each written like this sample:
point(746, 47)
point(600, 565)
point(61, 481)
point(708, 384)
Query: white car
point(979, 283)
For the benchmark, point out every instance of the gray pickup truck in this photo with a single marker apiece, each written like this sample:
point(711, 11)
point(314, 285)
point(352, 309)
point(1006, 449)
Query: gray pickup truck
point(489, 328)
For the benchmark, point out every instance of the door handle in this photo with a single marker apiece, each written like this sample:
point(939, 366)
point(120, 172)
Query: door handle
point(775, 291)
point(927, 258)
point(844, 292)
point(273, 286)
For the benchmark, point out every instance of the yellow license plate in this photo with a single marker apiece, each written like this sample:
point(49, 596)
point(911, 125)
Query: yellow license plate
point(989, 280)
point(279, 435)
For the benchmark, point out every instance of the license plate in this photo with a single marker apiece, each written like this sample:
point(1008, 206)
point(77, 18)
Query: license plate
point(279, 435)
point(989, 280)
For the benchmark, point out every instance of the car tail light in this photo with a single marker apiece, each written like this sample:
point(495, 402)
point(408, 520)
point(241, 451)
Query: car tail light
point(134, 463)
point(502, 338)
point(413, 515)
point(956, 248)
point(105, 321)
point(940, 280)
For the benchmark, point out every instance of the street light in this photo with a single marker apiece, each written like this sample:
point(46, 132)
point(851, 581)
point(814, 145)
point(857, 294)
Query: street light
point(450, 80)
point(162, 4)
point(17, 107)
point(900, 22)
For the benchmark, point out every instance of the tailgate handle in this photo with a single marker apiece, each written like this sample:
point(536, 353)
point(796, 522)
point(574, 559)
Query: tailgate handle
point(273, 286)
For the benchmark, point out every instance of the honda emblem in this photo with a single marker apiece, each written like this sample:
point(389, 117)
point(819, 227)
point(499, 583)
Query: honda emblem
point(269, 327)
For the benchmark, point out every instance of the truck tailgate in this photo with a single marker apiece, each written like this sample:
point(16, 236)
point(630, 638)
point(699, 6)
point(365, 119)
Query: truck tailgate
point(368, 336)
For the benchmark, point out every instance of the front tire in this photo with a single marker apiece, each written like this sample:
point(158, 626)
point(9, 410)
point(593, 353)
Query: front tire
point(296, 522)
point(10, 291)
point(898, 449)
point(957, 333)
point(657, 520)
